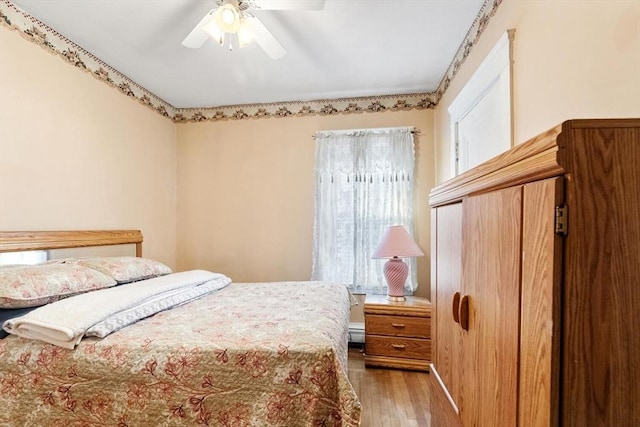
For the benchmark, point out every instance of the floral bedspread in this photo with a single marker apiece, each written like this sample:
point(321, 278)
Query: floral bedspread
point(253, 354)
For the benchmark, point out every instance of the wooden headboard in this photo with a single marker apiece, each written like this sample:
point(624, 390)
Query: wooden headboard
point(16, 241)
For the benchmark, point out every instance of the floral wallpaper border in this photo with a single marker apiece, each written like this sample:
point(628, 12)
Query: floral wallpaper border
point(30, 28)
point(14, 18)
point(325, 107)
point(487, 10)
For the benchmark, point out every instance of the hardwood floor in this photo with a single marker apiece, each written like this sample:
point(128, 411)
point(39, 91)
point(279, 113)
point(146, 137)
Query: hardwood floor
point(390, 397)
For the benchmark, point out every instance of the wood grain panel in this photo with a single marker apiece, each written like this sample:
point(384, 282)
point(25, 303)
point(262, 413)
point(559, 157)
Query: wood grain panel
point(536, 159)
point(401, 326)
point(410, 348)
point(601, 349)
point(451, 190)
point(604, 123)
point(447, 342)
point(540, 166)
point(15, 241)
point(434, 282)
point(540, 305)
point(397, 363)
point(491, 276)
point(387, 324)
point(413, 306)
point(442, 413)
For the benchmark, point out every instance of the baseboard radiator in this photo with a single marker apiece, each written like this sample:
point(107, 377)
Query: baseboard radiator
point(356, 332)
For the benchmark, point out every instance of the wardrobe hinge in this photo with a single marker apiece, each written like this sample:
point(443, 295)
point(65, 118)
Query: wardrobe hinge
point(562, 220)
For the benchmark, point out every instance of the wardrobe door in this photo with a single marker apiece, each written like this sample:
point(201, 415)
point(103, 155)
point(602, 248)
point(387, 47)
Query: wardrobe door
point(540, 312)
point(446, 269)
point(490, 307)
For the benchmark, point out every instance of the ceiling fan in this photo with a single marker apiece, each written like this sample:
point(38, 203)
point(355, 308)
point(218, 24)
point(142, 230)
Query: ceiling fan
point(233, 22)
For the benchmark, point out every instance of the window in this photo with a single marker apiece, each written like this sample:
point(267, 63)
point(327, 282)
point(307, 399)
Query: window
point(28, 257)
point(364, 183)
point(481, 114)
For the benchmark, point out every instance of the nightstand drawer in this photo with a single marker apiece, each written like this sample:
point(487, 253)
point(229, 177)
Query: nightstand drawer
point(410, 348)
point(398, 326)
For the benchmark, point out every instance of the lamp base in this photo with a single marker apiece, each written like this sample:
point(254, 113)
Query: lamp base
point(395, 273)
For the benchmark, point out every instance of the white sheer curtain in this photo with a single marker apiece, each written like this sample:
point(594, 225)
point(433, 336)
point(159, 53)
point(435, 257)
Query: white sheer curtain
point(364, 183)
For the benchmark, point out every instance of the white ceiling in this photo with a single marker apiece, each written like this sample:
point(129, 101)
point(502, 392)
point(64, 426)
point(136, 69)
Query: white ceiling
point(349, 49)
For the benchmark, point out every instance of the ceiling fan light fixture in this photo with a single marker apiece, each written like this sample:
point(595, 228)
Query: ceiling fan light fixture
point(233, 17)
point(214, 31)
point(228, 18)
point(245, 34)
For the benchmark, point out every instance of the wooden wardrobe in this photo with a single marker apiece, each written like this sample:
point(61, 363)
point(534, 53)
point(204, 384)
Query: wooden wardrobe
point(536, 283)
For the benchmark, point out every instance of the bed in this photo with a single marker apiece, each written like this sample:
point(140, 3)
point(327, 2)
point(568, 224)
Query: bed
point(246, 354)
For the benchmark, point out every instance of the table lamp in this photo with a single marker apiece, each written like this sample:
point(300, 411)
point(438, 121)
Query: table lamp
point(396, 243)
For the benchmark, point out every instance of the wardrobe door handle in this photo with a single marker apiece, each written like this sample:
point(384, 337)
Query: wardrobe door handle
point(456, 307)
point(463, 313)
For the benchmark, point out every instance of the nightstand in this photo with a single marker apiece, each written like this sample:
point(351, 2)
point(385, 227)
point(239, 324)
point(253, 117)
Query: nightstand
point(397, 334)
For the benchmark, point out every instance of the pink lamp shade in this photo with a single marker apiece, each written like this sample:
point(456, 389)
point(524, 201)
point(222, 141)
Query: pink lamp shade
point(396, 243)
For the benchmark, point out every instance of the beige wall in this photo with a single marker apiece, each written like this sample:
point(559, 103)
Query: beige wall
point(573, 59)
point(77, 154)
point(246, 193)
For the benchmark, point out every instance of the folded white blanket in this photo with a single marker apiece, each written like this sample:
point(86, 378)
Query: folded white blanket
point(154, 305)
point(65, 322)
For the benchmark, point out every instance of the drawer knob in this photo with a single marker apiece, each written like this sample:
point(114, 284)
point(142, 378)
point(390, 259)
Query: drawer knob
point(398, 325)
point(398, 346)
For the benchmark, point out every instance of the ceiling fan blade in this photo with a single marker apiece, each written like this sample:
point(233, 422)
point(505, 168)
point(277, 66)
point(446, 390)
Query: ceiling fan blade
point(198, 36)
point(265, 39)
point(289, 4)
